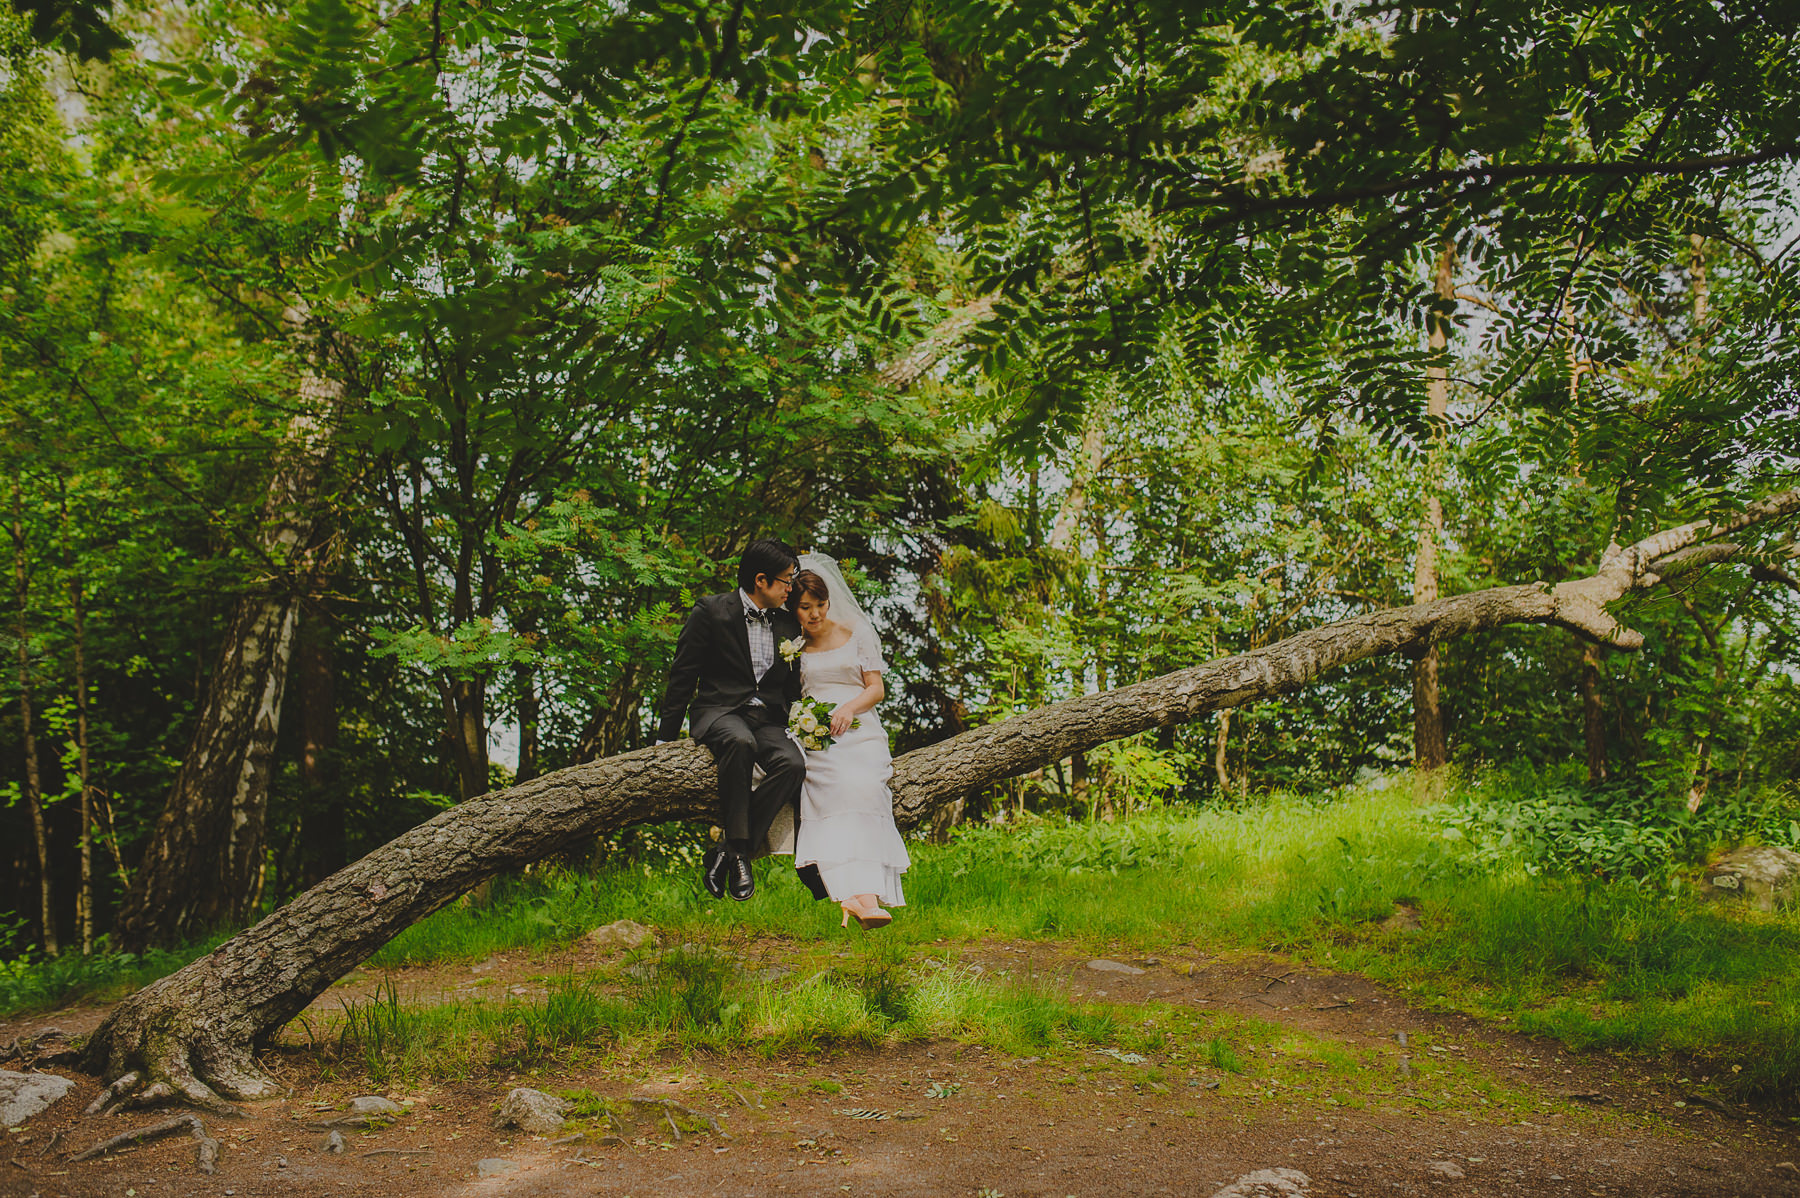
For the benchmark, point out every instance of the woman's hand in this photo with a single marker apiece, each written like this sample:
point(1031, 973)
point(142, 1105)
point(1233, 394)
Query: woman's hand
point(840, 722)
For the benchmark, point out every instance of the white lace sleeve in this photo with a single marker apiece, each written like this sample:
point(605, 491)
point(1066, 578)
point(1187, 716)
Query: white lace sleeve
point(868, 653)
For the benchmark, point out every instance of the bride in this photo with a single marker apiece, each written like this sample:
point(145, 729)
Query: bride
point(847, 827)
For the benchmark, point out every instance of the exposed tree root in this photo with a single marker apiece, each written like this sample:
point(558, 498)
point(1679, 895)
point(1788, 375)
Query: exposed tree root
point(160, 1049)
point(206, 1150)
point(128, 1082)
point(364, 1121)
point(670, 1108)
point(32, 1051)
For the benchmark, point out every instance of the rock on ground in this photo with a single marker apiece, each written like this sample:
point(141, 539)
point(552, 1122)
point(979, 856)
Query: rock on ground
point(371, 1104)
point(1105, 966)
point(1764, 874)
point(615, 936)
point(1268, 1183)
point(494, 1166)
point(533, 1111)
point(23, 1095)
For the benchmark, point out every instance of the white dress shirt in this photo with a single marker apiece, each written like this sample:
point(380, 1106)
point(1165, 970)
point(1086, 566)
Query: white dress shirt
point(762, 641)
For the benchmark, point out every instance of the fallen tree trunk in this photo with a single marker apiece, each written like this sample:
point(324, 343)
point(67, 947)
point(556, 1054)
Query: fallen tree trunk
point(192, 1034)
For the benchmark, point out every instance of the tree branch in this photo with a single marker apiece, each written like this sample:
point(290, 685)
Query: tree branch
point(192, 1032)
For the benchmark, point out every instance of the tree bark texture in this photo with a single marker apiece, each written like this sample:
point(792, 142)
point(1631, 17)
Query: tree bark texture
point(1430, 749)
point(192, 1033)
point(465, 720)
point(1074, 502)
point(947, 337)
point(204, 857)
point(84, 841)
point(529, 709)
point(322, 820)
point(1593, 713)
point(34, 788)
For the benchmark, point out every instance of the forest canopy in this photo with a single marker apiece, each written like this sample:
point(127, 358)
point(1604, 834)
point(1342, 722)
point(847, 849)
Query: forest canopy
point(380, 387)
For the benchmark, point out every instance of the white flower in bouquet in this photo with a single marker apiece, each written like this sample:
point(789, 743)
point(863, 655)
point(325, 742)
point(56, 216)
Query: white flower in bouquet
point(808, 722)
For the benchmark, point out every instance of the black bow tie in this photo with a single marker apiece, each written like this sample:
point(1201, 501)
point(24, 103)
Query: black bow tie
point(756, 615)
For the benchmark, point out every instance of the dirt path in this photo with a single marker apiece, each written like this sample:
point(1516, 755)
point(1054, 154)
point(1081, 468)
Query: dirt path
point(1356, 1091)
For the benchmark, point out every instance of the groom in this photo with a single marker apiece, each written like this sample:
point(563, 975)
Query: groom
point(739, 686)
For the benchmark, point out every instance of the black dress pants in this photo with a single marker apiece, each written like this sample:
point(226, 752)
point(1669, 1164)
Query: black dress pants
point(739, 741)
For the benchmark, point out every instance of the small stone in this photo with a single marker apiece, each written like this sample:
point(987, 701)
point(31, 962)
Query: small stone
point(494, 1166)
point(281, 1162)
point(623, 934)
point(1268, 1183)
point(372, 1104)
point(1104, 966)
point(773, 973)
point(1765, 874)
point(334, 1143)
point(533, 1111)
point(23, 1095)
point(1444, 1169)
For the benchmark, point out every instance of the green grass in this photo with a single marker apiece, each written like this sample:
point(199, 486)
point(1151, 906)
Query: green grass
point(1622, 962)
point(1619, 964)
point(29, 984)
point(699, 998)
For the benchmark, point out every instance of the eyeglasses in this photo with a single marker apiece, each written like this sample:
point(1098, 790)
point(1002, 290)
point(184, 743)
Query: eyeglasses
point(788, 581)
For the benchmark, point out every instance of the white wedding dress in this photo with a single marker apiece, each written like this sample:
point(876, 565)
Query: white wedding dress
point(846, 810)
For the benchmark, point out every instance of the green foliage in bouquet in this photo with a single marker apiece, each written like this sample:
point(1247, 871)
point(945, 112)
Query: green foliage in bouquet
point(810, 722)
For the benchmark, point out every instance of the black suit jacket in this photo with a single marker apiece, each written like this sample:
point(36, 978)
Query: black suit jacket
point(712, 671)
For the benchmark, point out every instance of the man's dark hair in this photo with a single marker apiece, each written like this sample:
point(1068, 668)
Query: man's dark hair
point(766, 556)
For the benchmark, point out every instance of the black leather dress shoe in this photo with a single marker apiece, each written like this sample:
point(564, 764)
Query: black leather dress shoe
point(713, 871)
point(739, 881)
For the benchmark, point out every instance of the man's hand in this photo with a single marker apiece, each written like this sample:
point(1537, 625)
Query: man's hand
point(840, 722)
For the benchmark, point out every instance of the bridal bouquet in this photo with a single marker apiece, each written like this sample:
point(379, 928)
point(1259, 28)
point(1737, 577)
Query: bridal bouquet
point(810, 723)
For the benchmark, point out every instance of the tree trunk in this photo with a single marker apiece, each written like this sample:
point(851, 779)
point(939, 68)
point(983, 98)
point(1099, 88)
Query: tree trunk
point(34, 787)
point(84, 772)
point(192, 1033)
point(608, 730)
point(1074, 502)
point(1593, 714)
point(84, 841)
point(525, 678)
point(1219, 743)
point(1429, 748)
point(202, 865)
point(465, 714)
point(949, 335)
point(322, 847)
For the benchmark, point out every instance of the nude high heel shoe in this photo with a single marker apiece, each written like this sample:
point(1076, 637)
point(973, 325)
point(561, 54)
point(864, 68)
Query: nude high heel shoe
point(865, 917)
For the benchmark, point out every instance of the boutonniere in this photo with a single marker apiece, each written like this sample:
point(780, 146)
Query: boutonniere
point(791, 650)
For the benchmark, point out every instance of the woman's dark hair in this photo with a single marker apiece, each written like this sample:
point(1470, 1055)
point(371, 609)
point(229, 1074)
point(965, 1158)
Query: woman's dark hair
point(766, 557)
point(807, 583)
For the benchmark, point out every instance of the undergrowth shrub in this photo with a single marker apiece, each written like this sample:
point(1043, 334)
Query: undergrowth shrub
point(1625, 830)
point(38, 983)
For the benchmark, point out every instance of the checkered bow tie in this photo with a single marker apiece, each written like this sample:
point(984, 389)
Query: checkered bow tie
point(755, 615)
